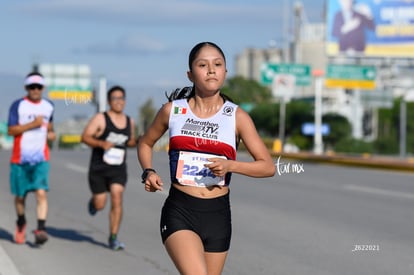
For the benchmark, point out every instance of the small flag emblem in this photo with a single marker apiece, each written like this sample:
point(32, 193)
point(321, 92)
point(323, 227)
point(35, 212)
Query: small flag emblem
point(180, 110)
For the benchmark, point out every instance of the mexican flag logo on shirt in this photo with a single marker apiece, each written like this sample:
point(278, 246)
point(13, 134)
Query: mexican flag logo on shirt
point(180, 110)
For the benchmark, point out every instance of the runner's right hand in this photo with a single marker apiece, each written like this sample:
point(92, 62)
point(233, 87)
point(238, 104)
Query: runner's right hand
point(153, 182)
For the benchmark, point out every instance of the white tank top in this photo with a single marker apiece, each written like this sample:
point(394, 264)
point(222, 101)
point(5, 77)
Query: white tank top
point(214, 135)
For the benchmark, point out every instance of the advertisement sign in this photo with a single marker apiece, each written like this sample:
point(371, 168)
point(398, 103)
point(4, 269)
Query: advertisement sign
point(374, 28)
point(69, 82)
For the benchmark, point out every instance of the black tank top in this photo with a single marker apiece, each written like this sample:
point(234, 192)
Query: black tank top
point(115, 156)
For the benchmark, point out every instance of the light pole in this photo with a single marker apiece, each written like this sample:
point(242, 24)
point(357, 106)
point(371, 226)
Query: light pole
point(282, 87)
point(403, 127)
point(407, 97)
point(102, 93)
point(317, 138)
point(406, 83)
point(282, 120)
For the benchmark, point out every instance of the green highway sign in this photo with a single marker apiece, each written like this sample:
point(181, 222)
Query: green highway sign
point(69, 82)
point(350, 77)
point(351, 72)
point(301, 72)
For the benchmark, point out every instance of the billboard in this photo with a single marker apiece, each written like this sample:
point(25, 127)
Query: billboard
point(69, 82)
point(372, 28)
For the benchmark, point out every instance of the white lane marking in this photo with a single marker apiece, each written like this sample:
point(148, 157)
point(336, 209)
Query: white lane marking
point(377, 191)
point(76, 168)
point(7, 267)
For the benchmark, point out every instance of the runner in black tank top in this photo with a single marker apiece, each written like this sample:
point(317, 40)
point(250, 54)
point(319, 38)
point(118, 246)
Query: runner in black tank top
point(109, 134)
point(119, 137)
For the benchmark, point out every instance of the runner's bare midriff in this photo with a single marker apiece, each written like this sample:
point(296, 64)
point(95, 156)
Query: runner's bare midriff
point(203, 192)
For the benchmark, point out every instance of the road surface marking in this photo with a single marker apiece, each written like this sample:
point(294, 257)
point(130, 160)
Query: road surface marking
point(76, 168)
point(377, 191)
point(7, 266)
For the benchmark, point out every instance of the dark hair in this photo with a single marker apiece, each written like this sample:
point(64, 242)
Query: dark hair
point(180, 93)
point(113, 89)
point(188, 92)
point(34, 73)
point(196, 49)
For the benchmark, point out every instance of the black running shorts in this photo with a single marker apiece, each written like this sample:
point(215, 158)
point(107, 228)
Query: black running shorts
point(101, 179)
point(209, 218)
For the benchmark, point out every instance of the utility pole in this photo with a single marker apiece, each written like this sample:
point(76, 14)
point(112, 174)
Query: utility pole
point(403, 127)
point(282, 120)
point(317, 138)
point(102, 94)
point(286, 59)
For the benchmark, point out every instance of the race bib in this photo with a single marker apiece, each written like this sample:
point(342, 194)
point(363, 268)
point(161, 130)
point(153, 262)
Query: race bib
point(114, 156)
point(191, 170)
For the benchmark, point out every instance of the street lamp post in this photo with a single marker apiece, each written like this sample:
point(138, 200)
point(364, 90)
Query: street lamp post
point(282, 120)
point(403, 127)
point(102, 93)
point(317, 138)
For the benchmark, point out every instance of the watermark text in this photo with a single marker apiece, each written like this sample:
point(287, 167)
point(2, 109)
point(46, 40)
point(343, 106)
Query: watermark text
point(288, 168)
point(77, 98)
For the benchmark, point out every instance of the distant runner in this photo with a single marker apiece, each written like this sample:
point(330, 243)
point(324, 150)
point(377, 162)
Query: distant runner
point(30, 122)
point(109, 134)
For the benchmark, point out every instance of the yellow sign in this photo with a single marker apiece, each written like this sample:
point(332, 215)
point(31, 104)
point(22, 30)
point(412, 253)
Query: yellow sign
point(71, 96)
point(350, 77)
point(70, 138)
point(350, 84)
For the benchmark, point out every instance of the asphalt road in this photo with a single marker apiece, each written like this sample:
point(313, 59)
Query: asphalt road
point(310, 219)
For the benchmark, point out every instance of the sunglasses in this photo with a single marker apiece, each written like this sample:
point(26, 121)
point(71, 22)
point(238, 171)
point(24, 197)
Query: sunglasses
point(115, 98)
point(34, 86)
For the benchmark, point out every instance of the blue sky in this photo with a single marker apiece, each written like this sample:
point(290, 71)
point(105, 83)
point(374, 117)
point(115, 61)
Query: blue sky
point(142, 45)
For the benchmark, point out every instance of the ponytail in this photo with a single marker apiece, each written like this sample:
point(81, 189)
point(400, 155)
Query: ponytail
point(178, 93)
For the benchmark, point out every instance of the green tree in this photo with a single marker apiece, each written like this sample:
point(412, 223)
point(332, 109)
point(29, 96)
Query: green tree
point(242, 90)
point(298, 112)
point(387, 141)
point(266, 118)
point(340, 129)
point(410, 127)
point(351, 145)
point(146, 114)
point(389, 129)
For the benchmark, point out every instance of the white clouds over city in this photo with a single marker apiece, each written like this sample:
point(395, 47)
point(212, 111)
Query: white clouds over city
point(135, 44)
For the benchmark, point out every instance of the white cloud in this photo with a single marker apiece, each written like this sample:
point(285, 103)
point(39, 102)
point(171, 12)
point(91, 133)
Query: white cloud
point(157, 11)
point(127, 45)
